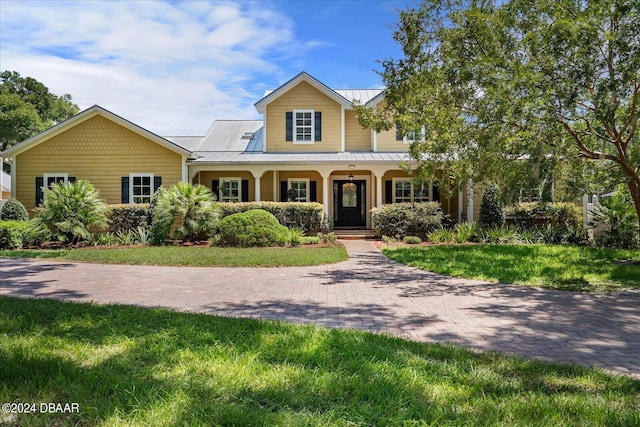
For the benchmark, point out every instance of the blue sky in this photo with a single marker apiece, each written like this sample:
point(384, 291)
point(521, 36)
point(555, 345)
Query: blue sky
point(174, 67)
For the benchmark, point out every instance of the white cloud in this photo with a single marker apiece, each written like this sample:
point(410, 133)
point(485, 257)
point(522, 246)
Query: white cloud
point(171, 67)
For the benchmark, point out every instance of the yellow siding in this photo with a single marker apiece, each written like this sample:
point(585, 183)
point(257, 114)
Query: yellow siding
point(303, 96)
point(311, 175)
point(356, 138)
point(99, 150)
point(386, 141)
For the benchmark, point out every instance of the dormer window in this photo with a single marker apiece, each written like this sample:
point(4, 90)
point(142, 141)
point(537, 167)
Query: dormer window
point(304, 126)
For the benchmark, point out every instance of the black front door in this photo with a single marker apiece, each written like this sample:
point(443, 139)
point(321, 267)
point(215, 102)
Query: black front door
point(349, 203)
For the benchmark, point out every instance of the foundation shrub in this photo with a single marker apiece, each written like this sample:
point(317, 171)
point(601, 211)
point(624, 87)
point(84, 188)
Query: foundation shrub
point(20, 234)
point(540, 215)
point(305, 216)
point(254, 228)
point(125, 218)
point(13, 210)
point(401, 219)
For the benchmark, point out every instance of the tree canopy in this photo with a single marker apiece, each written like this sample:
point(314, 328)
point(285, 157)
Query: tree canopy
point(27, 108)
point(519, 90)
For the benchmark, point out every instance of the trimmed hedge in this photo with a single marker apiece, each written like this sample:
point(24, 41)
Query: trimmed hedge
point(126, 217)
point(13, 210)
point(565, 216)
point(20, 234)
point(401, 219)
point(254, 228)
point(306, 216)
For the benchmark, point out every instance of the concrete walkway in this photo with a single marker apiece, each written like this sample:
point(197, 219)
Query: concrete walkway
point(367, 292)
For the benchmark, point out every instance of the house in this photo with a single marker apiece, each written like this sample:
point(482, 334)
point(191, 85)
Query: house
point(5, 185)
point(308, 147)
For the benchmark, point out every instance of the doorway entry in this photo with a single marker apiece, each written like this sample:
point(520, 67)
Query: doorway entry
point(349, 203)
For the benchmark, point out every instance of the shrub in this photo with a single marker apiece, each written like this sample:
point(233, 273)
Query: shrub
point(13, 210)
point(412, 240)
point(306, 216)
point(491, 214)
point(184, 212)
point(501, 235)
point(11, 233)
point(441, 235)
point(71, 210)
point(295, 236)
point(400, 219)
point(619, 221)
point(539, 215)
point(465, 232)
point(128, 217)
point(254, 228)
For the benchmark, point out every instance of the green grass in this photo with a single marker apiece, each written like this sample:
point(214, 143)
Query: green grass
point(140, 367)
point(194, 256)
point(571, 268)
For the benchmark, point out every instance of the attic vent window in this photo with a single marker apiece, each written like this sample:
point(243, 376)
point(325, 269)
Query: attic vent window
point(248, 135)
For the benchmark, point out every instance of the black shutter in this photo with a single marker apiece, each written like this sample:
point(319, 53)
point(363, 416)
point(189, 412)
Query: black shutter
point(39, 194)
point(283, 191)
point(125, 189)
point(313, 189)
point(388, 192)
point(399, 132)
point(289, 125)
point(71, 179)
point(318, 126)
point(436, 192)
point(157, 182)
point(245, 190)
point(215, 188)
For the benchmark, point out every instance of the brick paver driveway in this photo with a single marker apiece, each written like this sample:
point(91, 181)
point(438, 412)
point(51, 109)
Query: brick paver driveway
point(367, 292)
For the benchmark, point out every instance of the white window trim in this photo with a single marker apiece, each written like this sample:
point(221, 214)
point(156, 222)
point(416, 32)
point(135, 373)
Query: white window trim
point(305, 180)
point(394, 180)
point(139, 175)
point(313, 127)
point(46, 176)
point(229, 178)
point(416, 136)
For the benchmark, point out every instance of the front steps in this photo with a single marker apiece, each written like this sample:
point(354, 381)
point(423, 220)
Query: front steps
point(354, 234)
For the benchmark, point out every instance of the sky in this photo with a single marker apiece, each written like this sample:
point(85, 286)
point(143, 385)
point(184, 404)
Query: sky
point(173, 67)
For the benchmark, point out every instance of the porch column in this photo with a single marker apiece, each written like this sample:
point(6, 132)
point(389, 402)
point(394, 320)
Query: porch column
point(256, 178)
point(325, 194)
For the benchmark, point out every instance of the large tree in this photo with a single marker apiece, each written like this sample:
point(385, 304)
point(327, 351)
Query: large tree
point(518, 88)
point(27, 108)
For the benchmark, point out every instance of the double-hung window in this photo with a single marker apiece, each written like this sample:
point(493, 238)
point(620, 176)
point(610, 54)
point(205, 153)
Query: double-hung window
point(404, 191)
point(299, 189)
point(54, 178)
point(303, 126)
point(140, 187)
point(230, 190)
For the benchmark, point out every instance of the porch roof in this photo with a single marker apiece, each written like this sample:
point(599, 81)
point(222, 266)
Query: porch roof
point(246, 157)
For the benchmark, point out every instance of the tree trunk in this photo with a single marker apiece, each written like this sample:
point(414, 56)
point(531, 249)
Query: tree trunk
point(634, 189)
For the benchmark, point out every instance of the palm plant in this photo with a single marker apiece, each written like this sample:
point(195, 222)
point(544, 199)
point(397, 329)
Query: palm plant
point(184, 212)
point(618, 215)
point(71, 210)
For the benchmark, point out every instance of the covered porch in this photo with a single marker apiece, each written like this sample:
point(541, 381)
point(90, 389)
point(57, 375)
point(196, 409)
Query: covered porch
point(347, 189)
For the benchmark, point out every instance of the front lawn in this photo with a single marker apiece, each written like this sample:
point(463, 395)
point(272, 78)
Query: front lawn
point(195, 256)
point(133, 366)
point(555, 267)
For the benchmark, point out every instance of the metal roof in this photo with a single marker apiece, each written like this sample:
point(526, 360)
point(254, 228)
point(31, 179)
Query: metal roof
point(225, 135)
point(359, 96)
point(215, 157)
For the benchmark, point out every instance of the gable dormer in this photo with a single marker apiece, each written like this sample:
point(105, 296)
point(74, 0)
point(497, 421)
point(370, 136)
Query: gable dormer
point(303, 115)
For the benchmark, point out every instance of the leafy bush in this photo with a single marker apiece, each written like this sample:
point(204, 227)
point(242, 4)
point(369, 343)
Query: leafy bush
point(328, 238)
point(254, 228)
point(71, 210)
point(11, 233)
point(412, 240)
point(501, 235)
point(400, 219)
point(154, 201)
point(13, 210)
point(309, 240)
point(491, 214)
point(295, 236)
point(539, 215)
point(306, 216)
point(128, 217)
point(618, 221)
point(20, 234)
point(184, 212)
point(465, 232)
